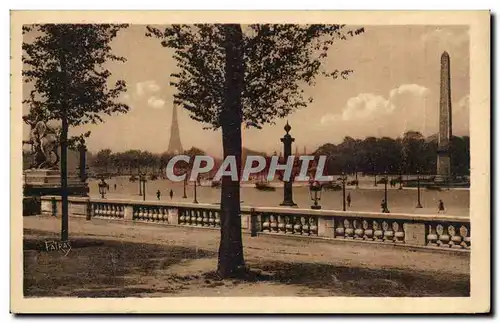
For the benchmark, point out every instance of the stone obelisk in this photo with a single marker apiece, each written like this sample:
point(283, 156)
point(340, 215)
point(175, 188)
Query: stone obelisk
point(444, 137)
point(175, 146)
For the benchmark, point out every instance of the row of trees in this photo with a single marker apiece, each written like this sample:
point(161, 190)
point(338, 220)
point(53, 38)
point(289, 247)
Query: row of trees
point(134, 161)
point(408, 154)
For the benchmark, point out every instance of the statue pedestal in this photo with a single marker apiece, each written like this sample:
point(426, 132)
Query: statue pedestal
point(40, 182)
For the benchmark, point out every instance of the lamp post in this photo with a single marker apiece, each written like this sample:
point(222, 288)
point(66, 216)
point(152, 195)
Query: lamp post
point(185, 184)
point(102, 187)
point(315, 191)
point(386, 179)
point(419, 205)
point(344, 178)
point(400, 179)
point(375, 180)
point(142, 182)
point(195, 201)
point(357, 184)
point(287, 141)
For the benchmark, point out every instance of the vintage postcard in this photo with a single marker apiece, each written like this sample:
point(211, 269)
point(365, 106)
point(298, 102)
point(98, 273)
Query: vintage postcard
point(194, 162)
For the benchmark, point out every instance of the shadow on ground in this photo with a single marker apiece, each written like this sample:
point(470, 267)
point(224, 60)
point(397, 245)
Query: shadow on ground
point(100, 268)
point(329, 279)
point(110, 268)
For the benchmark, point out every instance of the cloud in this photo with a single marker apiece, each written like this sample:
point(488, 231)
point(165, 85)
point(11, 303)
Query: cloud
point(405, 108)
point(155, 102)
point(366, 105)
point(145, 87)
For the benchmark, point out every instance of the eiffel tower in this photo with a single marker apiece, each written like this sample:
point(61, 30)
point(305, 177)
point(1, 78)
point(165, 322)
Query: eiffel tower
point(175, 145)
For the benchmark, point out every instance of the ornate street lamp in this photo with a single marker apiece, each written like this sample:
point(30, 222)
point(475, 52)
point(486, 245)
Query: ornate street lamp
point(185, 184)
point(142, 181)
point(195, 201)
point(102, 187)
point(419, 205)
point(315, 191)
point(386, 179)
point(287, 141)
point(343, 178)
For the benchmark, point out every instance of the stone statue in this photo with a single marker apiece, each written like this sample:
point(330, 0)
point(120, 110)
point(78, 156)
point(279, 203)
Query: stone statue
point(44, 143)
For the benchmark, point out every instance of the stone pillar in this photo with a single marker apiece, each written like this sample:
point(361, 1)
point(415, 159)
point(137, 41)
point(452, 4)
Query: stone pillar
point(287, 141)
point(445, 126)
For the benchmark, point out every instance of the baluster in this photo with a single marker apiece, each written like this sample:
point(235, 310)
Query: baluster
point(182, 216)
point(217, 219)
point(122, 211)
point(164, 217)
point(358, 230)
point(194, 216)
point(456, 239)
point(281, 224)
point(367, 231)
point(388, 233)
point(305, 225)
point(399, 234)
point(288, 225)
point(211, 218)
point(313, 226)
point(378, 233)
point(339, 229)
point(205, 223)
point(266, 223)
point(273, 225)
point(443, 237)
point(297, 227)
point(199, 218)
point(464, 233)
point(349, 230)
point(432, 237)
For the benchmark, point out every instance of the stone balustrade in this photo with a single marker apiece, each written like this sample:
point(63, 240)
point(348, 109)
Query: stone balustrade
point(431, 231)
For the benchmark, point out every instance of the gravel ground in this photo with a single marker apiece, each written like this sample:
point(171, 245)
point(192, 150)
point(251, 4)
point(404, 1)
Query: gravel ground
point(113, 259)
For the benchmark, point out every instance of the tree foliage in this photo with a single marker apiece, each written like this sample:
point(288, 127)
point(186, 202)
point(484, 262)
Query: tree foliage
point(65, 65)
point(279, 60)
point(408, 154)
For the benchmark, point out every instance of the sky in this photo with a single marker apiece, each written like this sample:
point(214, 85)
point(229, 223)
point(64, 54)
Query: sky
point(394, 88)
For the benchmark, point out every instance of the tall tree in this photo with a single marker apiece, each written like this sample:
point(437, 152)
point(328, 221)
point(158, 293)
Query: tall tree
point(229, 74)
point(65, 65)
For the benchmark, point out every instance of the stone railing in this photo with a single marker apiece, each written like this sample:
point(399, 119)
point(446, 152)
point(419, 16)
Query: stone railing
point(440, 231)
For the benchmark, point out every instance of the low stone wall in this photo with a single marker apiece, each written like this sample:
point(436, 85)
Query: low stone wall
point(432, 231)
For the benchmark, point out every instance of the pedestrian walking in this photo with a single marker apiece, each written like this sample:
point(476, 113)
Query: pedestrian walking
point(158, 194)
point(440, 206)
point(171, 194)
point(348, 199)
point(115, 186)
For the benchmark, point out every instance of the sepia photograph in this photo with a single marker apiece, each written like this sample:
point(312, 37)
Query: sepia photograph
point(258, 162)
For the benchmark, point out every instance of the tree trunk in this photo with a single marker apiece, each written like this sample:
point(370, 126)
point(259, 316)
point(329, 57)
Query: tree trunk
point(231, 261)
point(64, 177)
